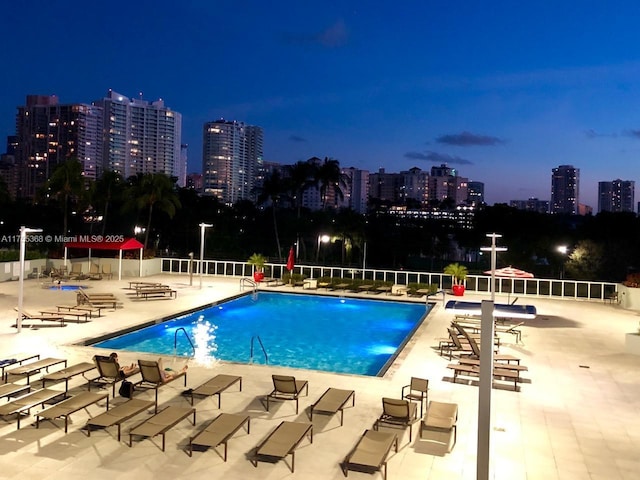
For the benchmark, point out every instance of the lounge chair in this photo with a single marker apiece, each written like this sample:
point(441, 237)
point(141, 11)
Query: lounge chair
point(371, 452)
point(106, 270)
point(34, 368)
point(333, 400)
point(13, 390)
point(441, 417)
point(109, 371)
point(15, 360)
point(215, 386)
point(94, 272)
point(118, 415)
point(219, 431)
point(286, 387)
point(70, 405)
point(402, 413)
point(417, 391)
point(152, 378)
point(76, 272)
point(283, 441)
point(43, 317)
point(96, 299)
point(25, 403)
point(161, 423)
point(67, 373)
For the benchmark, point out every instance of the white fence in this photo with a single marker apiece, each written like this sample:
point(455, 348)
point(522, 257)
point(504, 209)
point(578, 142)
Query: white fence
point(540, 287)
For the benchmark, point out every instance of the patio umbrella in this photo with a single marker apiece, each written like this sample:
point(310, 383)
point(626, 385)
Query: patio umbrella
point(510, 272)
point(291, 263)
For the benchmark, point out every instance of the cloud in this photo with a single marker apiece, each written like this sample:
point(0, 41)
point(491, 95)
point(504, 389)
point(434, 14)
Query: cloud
point(593, 134)
point(632, 133)
point(296, 138)
point(468, 139)
point(333, 36)
point(438, 158)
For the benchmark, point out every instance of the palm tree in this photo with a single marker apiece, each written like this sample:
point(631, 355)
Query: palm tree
point(66, 182)
point(300, 176)
point(330, 178)
point(105, 190)
point(152, 191)
point(273, 189)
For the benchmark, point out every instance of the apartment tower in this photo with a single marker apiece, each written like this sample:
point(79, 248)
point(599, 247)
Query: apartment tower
point(565, 189)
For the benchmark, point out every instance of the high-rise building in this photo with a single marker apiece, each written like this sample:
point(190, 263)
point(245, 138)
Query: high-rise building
point(385, 186)
point(140, 136)
point(415, 186)
point(49, 133)
point(444, 183)
point(356, 195)
point(231, 155)
point(475, 191)
point(616, 196)
point(565, 189)
point(531, 205)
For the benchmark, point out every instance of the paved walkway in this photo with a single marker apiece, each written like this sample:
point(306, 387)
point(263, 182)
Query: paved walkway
point(579, 418)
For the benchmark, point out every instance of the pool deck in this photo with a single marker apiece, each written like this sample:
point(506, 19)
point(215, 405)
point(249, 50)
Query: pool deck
point(576, 417)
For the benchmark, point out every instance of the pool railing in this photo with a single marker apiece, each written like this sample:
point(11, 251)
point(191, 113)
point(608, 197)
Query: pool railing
point(531, 287)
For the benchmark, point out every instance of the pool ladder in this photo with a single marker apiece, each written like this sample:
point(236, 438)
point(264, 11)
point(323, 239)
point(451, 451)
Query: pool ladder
point(175, 341)
point(266, 357)
point(247, 281)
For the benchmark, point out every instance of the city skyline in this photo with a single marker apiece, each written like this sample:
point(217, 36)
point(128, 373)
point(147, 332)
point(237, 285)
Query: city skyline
point(503, 95)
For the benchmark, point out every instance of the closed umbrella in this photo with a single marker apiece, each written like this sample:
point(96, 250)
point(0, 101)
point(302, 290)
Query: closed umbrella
point(510, 272)
point(291, 263)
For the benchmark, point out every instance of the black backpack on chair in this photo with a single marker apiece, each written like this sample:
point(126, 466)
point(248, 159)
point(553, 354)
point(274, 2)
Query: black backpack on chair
point(126, 389)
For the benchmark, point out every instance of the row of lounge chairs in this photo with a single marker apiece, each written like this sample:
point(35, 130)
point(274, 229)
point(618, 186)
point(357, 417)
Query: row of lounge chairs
point(147, 290)
point(76, 273)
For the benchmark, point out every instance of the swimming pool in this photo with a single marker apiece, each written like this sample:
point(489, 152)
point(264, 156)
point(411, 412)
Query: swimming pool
point(342, 335)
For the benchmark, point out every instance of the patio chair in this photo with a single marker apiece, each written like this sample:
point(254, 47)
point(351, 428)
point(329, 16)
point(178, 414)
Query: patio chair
point(70, 405)
point(68, 373)
point(23, 404)
point(153, 379)
point(441, 417)
point(110, 372)
point(333, 400)
point(286, 387)
point(76, 272)
point(161, 423)
point(402, 413)
point(283, 441)
point(43, 317)
point(106, 270)
point(34, 368)
point(118, 415)
point(219, 431)
point(94, 272)
point(416, 391)
point(215, 386)
point(371, 452)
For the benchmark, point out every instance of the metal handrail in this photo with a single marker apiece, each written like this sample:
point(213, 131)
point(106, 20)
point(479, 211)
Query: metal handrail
point(245, 280)
point(266, 357)
point(175, 340)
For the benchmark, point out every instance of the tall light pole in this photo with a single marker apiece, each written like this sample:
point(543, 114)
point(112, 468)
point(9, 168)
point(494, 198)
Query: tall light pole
point(202, 228)
point(23, 240)
point(563, 249)
point(486, 370)
point(321, 239)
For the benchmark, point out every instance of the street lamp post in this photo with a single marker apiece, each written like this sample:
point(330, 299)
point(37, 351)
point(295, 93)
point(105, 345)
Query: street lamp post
point(202, 228)
point(23, 240)
point(321, 239)
point(563, 249)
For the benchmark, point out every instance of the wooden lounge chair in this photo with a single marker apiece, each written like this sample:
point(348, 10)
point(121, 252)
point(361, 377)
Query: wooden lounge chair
point(96, 299)
point(215, 386)
point(91, 311)
point(25, 403)
point(106, 270)
point(70, 405)
point(161, 423)
point(219, 431)
point(109, 371)
point(402, 413)
point(118, 415)
point(371, 452)
point(283, 441)
point(67, 373)
point(76, 272)
point(286, 387)
point(43, 317)
point(69, 315)
point(441, 417)
point(34, 368)
point(333, 400)
point(416, 391)
point(152, 378)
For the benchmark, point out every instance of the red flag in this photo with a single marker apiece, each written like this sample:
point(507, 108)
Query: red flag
point(291, 259)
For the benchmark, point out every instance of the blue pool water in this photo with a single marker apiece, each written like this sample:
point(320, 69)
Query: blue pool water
point(66, 287)
point(343, 335)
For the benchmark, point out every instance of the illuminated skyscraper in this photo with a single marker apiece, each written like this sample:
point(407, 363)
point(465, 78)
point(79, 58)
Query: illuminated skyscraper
point(565, 189)
point(616, 196)
point(231, 156)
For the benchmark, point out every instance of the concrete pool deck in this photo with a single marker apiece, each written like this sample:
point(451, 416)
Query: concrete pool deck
point(578, 418)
